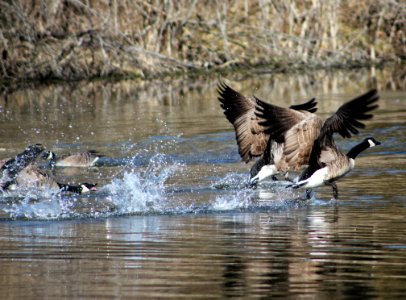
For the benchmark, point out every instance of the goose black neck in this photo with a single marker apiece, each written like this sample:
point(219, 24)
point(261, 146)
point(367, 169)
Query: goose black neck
point(353, 153)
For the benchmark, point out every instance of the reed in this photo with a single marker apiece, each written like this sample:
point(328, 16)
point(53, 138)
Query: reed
point(78, 39)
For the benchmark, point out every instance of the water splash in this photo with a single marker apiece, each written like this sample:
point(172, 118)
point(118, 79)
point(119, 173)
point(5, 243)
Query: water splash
point(153, 189)
point(268, 196)
point(232, 181)
point(240, 200)
point(143, 192)
point(136, 191)
point(37, 204)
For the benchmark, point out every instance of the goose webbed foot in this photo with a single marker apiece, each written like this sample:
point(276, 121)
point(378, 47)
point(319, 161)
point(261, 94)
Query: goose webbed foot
point(253, 183)
point(286, 177)
point(289, 179)
point(309, 194)
point(253, 186)
point(335, 190)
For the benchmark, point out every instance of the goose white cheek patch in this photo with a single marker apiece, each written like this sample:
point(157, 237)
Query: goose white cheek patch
point(371, 143)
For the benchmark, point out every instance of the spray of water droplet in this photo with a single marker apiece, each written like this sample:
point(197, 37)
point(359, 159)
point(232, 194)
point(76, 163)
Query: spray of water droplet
point(143, 191)
point(30, 203)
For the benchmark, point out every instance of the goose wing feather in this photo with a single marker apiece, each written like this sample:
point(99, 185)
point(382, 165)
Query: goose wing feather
point(299, 141)
point(278, 120)
point(31, 176)
point(309, 106)
point(240, 111)
point(256, 121)
point(346, 122)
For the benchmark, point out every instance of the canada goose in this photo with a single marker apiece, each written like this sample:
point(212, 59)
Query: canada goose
point(288, 149)
point(283, 137)
point(328, 164)
point(31, 176)
point(13, 166)
point(81, 159)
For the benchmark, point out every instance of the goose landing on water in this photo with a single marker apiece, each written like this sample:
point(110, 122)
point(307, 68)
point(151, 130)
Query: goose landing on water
point(283, 138)
point(331, 165)
point(327, 163)
point(289, 149)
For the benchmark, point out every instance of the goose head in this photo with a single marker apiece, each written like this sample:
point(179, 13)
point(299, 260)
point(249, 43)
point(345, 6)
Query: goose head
point(49, 156)
point(372, 142)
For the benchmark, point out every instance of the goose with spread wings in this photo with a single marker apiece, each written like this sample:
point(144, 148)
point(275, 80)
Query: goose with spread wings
point(292, 135)
point(327, 163)
point(283, 138)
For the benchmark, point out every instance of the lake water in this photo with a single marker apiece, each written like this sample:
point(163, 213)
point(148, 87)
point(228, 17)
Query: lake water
point(172, 217)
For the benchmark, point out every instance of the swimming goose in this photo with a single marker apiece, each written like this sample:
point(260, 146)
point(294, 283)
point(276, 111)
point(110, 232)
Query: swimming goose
point(328, 164)
point(81, 159)
point(31, 176)
point(290, 147)
point(13, 166)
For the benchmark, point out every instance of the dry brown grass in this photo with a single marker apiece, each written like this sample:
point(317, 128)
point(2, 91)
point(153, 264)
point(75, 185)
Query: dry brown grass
point(77, 39)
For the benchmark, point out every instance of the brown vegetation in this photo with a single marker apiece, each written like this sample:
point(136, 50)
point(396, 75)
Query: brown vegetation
point(77, 39)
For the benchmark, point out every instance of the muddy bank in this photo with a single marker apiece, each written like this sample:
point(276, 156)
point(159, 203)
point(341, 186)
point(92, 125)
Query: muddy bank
point(73, 39)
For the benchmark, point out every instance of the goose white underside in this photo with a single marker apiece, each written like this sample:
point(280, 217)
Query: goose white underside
point(265, 172)
point(317, 179)
point(321, 176)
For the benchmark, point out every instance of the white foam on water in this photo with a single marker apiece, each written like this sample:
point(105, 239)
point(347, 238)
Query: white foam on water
point(231, 181)
point(142, 191)
point(37, 204)
point(231, 202)
point(272, 195)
